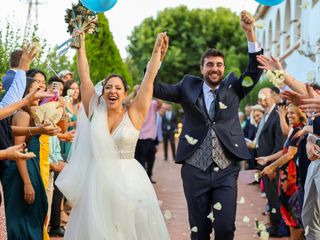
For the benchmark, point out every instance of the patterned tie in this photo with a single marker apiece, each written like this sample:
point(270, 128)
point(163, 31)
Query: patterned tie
point(212, 105)
point(260, 127)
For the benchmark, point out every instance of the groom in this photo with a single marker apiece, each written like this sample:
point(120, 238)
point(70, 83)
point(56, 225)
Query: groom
point(212, 140)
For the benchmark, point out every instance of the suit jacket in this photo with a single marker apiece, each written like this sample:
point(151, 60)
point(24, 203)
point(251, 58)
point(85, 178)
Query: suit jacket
point(226, 122)
point(169, 125)
point(271, 138)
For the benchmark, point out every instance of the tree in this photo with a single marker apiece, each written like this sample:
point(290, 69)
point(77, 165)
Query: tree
point(103, 55)
point(48, 60)
point(191, 32)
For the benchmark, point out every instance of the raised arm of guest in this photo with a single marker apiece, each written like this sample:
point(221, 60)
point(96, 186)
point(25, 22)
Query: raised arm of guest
point(274, 64)
point(16, 90)
point(11, 108)
point(282, 111)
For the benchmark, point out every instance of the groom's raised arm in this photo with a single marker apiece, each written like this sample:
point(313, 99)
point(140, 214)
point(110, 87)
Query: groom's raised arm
point(168, 92)
point(251, 75)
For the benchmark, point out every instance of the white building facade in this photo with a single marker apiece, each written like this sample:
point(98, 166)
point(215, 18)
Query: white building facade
point(291, 33)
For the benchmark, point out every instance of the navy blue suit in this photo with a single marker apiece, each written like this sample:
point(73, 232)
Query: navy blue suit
point(204, 188)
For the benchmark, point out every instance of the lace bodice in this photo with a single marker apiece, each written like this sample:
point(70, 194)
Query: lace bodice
point(126, 137)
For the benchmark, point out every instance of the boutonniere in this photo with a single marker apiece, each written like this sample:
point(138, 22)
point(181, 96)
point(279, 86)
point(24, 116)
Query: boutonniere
point(222, 105)
point(191, 140)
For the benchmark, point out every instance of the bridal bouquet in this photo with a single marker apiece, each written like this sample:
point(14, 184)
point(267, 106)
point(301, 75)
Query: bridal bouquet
point(82, 19)
point(276, 77)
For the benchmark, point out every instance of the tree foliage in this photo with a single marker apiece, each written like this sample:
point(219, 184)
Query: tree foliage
point(103, 55)
point(191, 32)
point(48, 61)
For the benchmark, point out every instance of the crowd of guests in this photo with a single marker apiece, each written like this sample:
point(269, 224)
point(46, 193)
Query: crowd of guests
point(281, 132)
point(31, 205)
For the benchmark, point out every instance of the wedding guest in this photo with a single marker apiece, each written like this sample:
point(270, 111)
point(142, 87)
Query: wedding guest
point(302, 95)
point(54, 195)
point(207, 149)
point(22, 183)
point(39, 76)
point(169, 128)
point(14, 66)
point(72, 105)
point(65, 75)
point(288, 177)
point(146, 146)
point(256, 115)
point(269, 140)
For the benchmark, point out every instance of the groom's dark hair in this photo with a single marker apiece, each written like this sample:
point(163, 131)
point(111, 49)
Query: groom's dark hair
point(211, 52)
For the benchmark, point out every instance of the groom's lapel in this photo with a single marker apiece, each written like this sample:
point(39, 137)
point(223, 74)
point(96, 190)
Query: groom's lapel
point(196, 98)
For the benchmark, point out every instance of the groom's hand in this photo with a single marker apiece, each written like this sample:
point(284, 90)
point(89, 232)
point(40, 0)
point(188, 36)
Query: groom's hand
point(247, 24)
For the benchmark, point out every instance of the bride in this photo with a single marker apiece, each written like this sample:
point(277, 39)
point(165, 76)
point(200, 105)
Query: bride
point(111, 193)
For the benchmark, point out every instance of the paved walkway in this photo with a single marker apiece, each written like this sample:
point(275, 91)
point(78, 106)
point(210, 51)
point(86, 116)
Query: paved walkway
point(173, 205)
point(170, 193)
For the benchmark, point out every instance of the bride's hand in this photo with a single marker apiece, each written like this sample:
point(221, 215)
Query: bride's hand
point(82, 37)
point(160, 45)
point(269, 63)
point(164, 47)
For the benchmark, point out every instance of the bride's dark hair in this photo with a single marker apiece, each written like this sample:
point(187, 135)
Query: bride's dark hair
point(124, 82)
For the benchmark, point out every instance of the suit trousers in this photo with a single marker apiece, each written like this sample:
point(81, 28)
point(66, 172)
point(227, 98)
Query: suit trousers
point(146, 154)
point(311, 204)
point(202, 190)
point(271, 190)
point(166, 138)
point(55, 218)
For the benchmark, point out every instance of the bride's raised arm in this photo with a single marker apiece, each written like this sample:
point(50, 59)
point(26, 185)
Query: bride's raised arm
point(87, 87)
point(140, 105)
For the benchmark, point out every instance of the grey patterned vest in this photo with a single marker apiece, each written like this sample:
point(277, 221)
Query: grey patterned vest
point(210, 150)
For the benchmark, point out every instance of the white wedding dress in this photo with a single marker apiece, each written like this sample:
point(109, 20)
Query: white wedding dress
point(111, 193)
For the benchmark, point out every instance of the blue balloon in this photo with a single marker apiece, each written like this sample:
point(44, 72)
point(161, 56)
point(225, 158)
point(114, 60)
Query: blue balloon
point(269, 2)
point(99, 5)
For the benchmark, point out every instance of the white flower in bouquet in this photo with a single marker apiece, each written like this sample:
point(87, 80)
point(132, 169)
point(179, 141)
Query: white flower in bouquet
point(260, 24)
point(82, 19)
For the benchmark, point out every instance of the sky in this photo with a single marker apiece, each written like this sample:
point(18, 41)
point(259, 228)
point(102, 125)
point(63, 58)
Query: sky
point(123, 17)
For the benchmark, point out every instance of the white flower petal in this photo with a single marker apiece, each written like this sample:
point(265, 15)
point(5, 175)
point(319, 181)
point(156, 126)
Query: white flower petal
point(306, 230)
point(191, 140)
point(222, 105)
point(260, 24)
point(217, 206)
point(194, 229)
point(242, 200)
point(211, 217)
point(167, 214)
point(246, 219)
point(264, 235)
point(262, 227)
